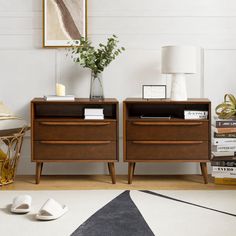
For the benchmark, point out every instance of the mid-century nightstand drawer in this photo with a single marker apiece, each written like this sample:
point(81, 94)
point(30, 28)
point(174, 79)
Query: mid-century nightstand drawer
point(75, 150)
point(74, 130)
point(167, 150)
point(167, 130)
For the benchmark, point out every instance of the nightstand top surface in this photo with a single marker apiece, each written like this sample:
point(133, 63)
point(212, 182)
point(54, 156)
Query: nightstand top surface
point(190, 100)
point(78, 100)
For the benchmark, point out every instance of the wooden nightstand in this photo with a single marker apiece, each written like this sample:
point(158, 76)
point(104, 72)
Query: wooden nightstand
point(163, 139)
point(61, 134)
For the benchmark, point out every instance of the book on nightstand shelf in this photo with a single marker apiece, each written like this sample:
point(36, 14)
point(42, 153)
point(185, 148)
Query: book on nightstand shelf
point(93, 111)
point(223, 160)
point(93, 114)
point(195, 115)
point(94, 117)
point(59, 98)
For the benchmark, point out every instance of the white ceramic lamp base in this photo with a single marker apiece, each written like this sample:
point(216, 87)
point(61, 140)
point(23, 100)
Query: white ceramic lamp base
point(178, 88)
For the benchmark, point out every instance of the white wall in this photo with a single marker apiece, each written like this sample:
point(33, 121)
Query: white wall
point(143, 27)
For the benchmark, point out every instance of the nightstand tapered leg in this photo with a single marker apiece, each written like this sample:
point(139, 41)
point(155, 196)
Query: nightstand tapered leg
point(111, 168)
point(134, 168)
point(39, 168)
point(204, 171)
point(131, 172)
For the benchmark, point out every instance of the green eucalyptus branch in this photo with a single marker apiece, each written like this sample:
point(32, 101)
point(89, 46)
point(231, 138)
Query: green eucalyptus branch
point(98, 59)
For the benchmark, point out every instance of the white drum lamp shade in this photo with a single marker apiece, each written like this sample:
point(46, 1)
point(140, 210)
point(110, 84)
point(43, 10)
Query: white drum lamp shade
point(179, 61)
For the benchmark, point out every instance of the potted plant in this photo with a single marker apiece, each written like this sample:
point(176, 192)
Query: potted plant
point(96, 59)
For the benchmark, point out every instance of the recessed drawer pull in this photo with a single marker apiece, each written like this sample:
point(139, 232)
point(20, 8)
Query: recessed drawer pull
point(168, 123)
point(75, 142)
point(168, 142)
point(75, 123)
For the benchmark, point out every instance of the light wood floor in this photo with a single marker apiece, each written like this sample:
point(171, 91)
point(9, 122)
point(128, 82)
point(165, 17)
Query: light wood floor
point(86, 182)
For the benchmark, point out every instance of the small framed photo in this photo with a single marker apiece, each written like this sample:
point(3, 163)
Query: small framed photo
point(154, 92)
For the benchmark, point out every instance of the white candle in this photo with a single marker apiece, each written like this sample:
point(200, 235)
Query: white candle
point(60, 90)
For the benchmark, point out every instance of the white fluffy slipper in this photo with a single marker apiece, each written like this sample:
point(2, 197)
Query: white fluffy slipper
point(21, 204)
point(51, 210)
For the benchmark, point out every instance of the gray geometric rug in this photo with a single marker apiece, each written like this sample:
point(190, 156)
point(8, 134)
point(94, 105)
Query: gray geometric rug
point(120, 217)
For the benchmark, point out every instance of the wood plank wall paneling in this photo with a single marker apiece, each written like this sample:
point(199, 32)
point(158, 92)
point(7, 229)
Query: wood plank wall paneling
point(20, 6)
point(220, 74)
point(143, 27)
point(167, 8)
point(137, 7)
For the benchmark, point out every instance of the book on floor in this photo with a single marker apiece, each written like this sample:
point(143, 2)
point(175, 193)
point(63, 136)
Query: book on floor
point(224, 135)
point(223, 163)
point(223, 174)
point(223, 148)
point(224, 156)
point(223, 130)
point(224, 169)
point(224, 123)
point(224, 141)
point(227, 181)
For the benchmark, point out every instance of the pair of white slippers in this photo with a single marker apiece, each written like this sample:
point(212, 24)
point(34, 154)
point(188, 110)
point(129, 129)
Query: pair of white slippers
point(51, 209)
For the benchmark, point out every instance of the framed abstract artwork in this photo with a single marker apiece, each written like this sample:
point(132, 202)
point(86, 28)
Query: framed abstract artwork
point(64, 21)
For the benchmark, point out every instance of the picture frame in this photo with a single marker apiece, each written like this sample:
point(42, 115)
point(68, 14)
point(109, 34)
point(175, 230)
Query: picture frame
point(154, 92)
point(61, 24)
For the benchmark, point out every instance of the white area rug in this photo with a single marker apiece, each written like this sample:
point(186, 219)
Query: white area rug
point(162, 216)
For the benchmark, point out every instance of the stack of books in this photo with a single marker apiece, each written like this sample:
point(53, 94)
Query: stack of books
point(224, 151)
point(195, 115)
point(93, 114)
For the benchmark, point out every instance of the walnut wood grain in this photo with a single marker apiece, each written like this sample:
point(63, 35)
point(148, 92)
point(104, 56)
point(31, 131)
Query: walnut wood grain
point(172, 151)
point(67, 130)
point(75, 142)
point(65, 123)
point(204, 171)
point(61, 134)
point(167, 123)
point(39, 167)
point(131, 172)
point(165, 131)
point(165, 140)
point(111, 168)
point(168, 142)
point(167, 101)
point(57, 151)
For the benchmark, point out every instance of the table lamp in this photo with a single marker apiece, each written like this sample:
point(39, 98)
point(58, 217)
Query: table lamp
point(179, 61)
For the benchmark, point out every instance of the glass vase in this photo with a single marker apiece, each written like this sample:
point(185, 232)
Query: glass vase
point(96, 86)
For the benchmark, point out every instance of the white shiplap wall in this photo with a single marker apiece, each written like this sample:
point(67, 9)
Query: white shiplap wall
point(143, 27)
